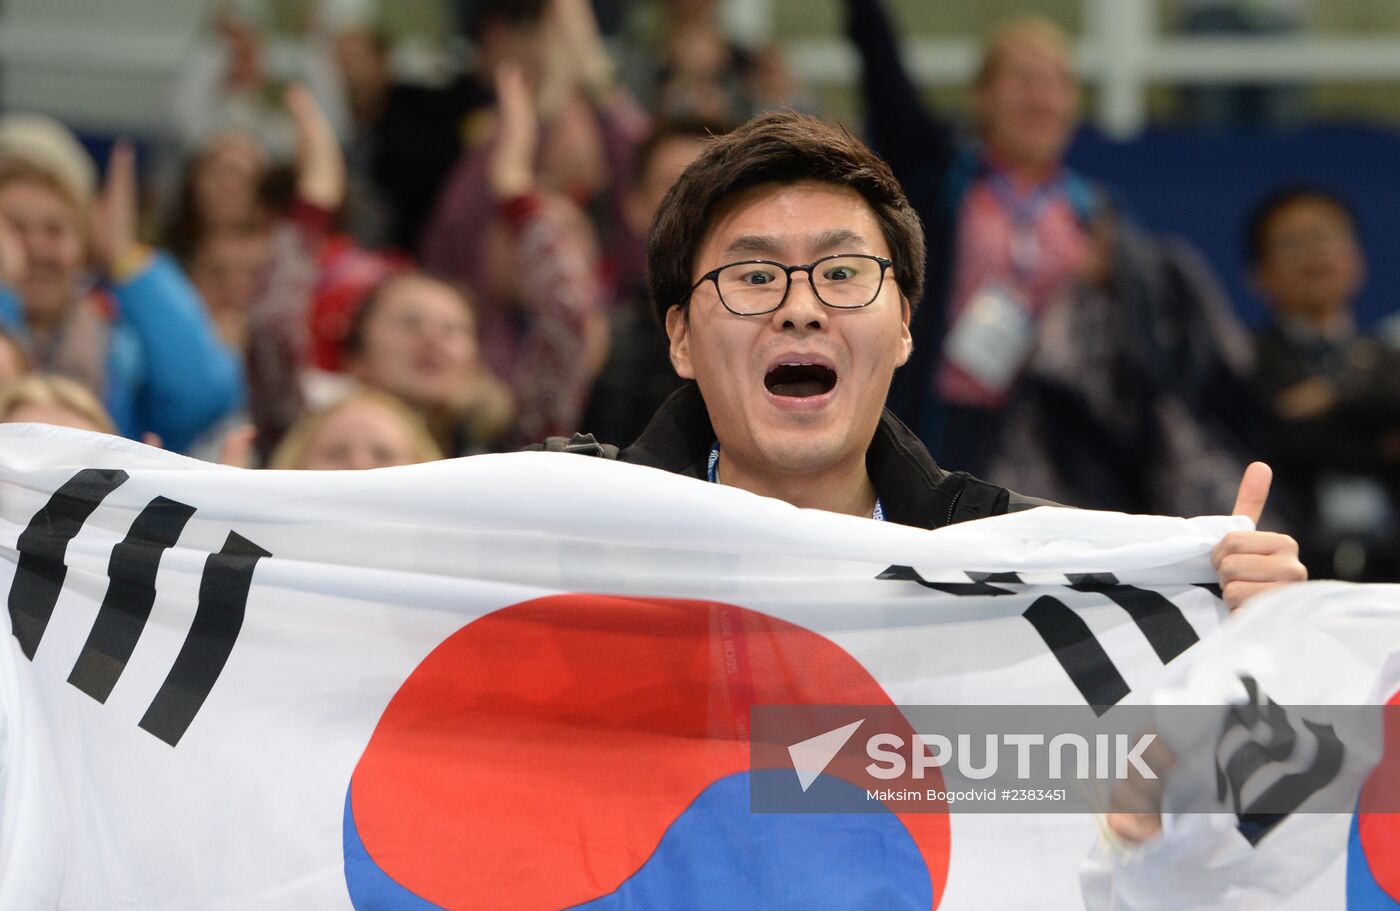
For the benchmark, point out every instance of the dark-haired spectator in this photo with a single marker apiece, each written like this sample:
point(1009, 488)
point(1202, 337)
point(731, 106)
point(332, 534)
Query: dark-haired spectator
point(668, 147)
point(218, 191)
point(638, 375)
point(1334, 390)
point(415, 337)
point(1007, 222)
point(221, 231)
point(104, 310)
point(228, 267)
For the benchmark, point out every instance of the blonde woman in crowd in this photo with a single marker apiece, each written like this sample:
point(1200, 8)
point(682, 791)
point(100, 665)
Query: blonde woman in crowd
point(46, 399)
point(366, 429)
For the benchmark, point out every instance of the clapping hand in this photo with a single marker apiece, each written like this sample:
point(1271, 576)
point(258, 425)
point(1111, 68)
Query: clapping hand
point(511, 169)
point(114, 247)
point(320, 163)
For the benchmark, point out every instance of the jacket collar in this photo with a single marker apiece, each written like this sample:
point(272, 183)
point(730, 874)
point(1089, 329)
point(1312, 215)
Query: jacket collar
point(912, 488)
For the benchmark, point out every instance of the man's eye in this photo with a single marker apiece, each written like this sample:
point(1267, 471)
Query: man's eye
point(757, 277)
point(839, 273)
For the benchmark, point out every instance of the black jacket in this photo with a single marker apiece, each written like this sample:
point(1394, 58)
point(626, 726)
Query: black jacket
point(912, 489)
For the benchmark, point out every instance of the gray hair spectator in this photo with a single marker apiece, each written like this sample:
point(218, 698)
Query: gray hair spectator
point(92, 303)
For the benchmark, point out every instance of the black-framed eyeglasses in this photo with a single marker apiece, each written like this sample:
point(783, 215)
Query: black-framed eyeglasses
point(843, 281)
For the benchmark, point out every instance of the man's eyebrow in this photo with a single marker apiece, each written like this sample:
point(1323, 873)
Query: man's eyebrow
point(835, 240)
point(840, 240)
point(756, 244)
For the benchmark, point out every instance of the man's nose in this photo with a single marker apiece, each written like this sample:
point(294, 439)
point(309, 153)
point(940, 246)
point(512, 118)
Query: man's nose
point(802, 307)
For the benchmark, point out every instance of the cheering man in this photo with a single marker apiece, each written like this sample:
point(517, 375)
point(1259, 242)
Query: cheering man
point(784, 263)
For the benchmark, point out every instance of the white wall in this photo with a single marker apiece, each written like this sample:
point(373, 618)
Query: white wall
point(97, 64)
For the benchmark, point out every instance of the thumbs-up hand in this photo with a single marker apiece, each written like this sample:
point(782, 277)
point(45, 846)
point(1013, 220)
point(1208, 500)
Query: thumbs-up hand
point(1249, 562)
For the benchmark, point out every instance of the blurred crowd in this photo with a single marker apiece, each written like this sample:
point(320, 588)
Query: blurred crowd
point(346, 268)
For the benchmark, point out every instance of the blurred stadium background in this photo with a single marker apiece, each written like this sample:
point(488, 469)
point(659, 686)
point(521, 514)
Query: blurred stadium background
point(1192, 108)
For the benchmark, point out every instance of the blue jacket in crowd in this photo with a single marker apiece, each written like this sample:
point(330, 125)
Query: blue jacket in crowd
point(167, 371)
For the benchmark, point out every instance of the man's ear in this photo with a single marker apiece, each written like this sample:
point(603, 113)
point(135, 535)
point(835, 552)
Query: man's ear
point(906, 341)
point(678, 330)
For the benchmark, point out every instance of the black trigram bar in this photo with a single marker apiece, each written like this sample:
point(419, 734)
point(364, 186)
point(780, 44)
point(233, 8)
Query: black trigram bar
point(130, 595)
point(1163, 623)
point(1253, 754)
point(1014, 578)
point(223, 600)
point(43, 546)
point(1286, 794)
point(977, 587)
point(1079, 653)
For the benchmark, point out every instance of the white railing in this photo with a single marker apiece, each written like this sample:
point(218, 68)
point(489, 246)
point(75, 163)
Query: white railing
point(1120, 54)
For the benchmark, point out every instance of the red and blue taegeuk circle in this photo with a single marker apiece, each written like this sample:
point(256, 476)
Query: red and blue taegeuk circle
point(1373, 852)
point(585, 751)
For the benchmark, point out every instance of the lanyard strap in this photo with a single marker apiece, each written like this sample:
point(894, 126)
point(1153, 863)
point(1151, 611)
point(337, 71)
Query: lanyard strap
point(1024, 210)
point(712, 475)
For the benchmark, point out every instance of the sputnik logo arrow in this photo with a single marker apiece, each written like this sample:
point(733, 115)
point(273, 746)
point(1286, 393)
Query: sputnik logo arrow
point(810, 757)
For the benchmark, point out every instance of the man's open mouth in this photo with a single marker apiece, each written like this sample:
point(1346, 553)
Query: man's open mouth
point(800, 380)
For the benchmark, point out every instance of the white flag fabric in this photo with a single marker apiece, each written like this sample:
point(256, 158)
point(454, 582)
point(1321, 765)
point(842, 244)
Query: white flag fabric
point(523, 681)
point(1321, 644)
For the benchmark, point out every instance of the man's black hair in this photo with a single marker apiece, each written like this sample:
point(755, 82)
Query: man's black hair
point(783, 148)
point(1263, 213)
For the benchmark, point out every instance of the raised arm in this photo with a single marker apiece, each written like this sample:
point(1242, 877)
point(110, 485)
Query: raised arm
point(190, 378)
point(279, 316)
point(580, 53)
point(559, 289)
point(902, 128)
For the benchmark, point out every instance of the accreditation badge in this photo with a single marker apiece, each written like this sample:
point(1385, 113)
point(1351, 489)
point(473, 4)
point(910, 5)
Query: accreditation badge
point(992, 336)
